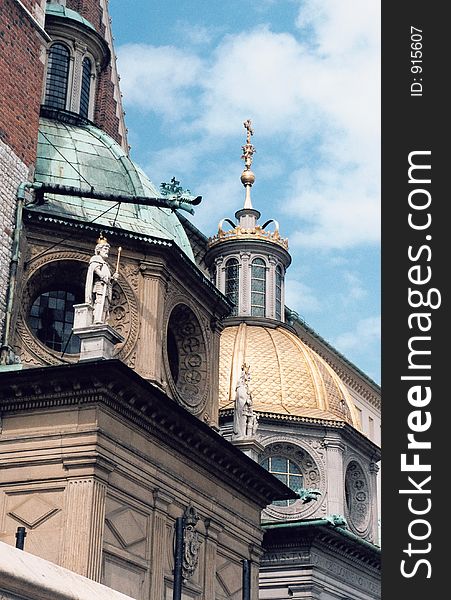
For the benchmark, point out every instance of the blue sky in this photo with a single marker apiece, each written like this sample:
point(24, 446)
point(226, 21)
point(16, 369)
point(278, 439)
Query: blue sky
point(307, 73)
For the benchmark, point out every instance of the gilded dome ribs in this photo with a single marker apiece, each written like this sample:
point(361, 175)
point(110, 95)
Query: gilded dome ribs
point(288, 378)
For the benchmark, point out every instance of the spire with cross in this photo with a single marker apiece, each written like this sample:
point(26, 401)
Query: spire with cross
point(247, 177)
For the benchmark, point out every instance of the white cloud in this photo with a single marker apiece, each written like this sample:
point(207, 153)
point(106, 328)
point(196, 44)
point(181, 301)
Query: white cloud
point(315, 105)
point(300, 297)
point(195, 34)
point(354, 289)
point(341, 26)
point(159, 78)
point(365, 334)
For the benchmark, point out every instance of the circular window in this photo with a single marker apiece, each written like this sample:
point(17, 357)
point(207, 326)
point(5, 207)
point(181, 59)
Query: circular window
point(187, 358)
point(51, 319)
point(296, 467)
point(287, 471)
point(48, 304)
point(357, 497)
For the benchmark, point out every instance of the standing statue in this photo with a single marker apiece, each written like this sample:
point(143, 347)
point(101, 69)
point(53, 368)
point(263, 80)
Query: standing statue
point(245, 422)
point(99, 282)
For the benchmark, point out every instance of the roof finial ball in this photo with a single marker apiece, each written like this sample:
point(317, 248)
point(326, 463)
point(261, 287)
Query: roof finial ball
point(247, 176)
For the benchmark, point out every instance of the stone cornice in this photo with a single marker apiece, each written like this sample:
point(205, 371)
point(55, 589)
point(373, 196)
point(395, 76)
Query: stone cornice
point(167, 249)
point(358, 439)
point(329, 539)
point(115, 385)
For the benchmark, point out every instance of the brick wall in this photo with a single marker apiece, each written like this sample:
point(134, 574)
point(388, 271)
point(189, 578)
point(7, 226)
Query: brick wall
point(105, 113)
point(21, 76)
point(91, 10)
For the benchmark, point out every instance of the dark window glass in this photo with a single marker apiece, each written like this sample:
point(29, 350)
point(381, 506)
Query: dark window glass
point(232, 283)
point(287, 471)
point(85, 88)
point(258, 288)
point(57, 77)
point(279, 293)
point(51, 319)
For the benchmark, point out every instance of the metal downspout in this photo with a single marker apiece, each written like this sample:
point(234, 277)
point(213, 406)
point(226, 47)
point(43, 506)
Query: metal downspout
point(5, 349)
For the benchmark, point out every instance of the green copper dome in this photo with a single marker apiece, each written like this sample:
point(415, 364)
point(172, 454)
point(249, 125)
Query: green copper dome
point(58, 10)
point(85, 157)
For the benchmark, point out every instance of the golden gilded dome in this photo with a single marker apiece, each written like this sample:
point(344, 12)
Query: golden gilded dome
point(287, 377)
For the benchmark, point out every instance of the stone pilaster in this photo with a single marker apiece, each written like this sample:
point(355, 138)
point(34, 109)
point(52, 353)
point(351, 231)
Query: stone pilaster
point(335, 474)
point(244, 303)
point(84, 523)
point(220, 274)
point(271, 288)
point(210, 556)
point(153, 291)
point(80, 50)
point(158, 549)
point(374, 469)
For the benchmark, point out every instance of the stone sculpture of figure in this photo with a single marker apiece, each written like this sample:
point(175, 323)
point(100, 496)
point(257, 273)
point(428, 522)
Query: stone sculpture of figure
point(99, 282)
point(244, 420)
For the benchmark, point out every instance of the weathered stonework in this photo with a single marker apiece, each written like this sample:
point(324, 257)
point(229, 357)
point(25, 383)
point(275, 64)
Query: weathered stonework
point(101, 496)
point(12, 172)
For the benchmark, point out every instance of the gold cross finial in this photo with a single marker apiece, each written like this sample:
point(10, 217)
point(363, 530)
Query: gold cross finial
point(248, 148)
point(248, 125)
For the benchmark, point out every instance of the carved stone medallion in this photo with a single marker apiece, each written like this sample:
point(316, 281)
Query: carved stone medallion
point(357, 498)
point(186, 358)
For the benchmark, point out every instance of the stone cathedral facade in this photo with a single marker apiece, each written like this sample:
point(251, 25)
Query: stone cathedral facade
point(198, 398)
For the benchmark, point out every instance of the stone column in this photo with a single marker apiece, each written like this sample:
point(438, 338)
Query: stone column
point(210, 552)
point(83, 528)
point(220, 274)
point(80, 50)
point(158, 551)
point(335, 474)
point(374, 469)
point(271, 288)
point(149, 350)
point(244, 303)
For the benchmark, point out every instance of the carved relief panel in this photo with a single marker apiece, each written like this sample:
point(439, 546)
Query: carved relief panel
point(358, 501)
point(41, 513)
point(186, 355)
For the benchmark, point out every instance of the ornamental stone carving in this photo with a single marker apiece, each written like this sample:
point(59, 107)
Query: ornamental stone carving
point(191, 543)
point(186, 355)
point(245, 421)
point(357, 495)
point(99, 282)
point(68, 268)
point(308, 454)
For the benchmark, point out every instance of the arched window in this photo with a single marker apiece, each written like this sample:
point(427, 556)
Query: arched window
point(232, 283)
point(287, 471)
point(85, 87)
point(51, 319)
point(279, 292)
point(57, 76)
point(258, 288)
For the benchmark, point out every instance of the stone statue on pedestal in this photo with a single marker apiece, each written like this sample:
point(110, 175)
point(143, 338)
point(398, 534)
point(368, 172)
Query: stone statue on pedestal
point(99, 282)
point(245, 422)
